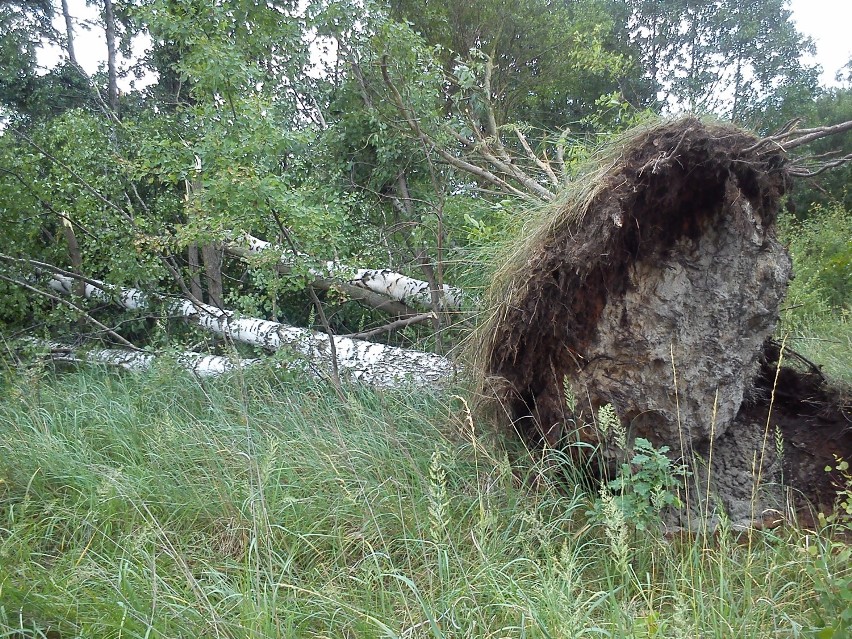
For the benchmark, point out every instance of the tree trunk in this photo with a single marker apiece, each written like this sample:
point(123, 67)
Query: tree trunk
point(69, 33)
point(194, 273)
point(374, 364)
point(212, 254)
point(109, 19)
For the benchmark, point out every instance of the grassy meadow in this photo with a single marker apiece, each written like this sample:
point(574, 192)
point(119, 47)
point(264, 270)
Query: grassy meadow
point(160, 506)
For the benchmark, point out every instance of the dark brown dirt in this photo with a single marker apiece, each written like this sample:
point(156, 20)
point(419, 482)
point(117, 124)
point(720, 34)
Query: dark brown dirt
point(815, 421)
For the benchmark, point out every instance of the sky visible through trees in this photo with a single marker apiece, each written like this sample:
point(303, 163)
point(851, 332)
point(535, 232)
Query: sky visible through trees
point(825, 21)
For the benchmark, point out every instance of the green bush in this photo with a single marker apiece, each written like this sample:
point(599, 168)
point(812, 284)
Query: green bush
point(817, 315)
point(821, 248)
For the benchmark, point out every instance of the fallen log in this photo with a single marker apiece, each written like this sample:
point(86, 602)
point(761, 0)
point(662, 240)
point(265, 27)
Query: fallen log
point(369, 362)
point(652, 286)
point(370, 298)
point(198, 364)
point(385, 282)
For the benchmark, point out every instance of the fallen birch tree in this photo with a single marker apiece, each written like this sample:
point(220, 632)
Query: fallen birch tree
point(375, 364)
point(197, 363)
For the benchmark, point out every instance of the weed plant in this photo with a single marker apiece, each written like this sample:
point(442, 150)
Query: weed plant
point(161, 506)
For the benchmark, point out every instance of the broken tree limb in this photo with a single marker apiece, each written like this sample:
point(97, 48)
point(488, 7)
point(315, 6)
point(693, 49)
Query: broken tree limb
point(374, 364)
point(393, 285)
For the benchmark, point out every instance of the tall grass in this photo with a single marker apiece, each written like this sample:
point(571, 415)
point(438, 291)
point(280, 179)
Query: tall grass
point(158, 506)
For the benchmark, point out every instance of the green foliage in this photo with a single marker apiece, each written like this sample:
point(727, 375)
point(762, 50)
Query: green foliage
point(728, 57)
point(817, 315)
point(643, 487)
point(551, 61)
point(22, 26)
point(79, 182)
point(821, 249)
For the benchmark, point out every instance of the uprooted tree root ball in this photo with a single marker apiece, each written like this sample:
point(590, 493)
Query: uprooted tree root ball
point(652, 285)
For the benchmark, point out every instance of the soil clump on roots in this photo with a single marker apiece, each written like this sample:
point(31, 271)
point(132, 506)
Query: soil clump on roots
point(653, 285)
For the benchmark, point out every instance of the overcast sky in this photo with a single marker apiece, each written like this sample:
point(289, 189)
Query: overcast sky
point(828, 22)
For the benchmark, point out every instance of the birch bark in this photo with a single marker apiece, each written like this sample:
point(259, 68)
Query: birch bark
point(197, 363)
point(396, 286)
point(375, 364)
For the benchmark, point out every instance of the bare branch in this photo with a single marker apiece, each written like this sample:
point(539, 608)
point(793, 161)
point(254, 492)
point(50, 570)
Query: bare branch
point(560, 158)
point(335, 370)
point(459, 163)
point(494, 152)
point(489, 105)
point(801, 171)
point(52, 269)
point(387, 328)
point(544, 165)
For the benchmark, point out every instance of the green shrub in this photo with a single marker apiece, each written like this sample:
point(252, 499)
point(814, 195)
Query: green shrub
point(817, 315)
point(821, 248)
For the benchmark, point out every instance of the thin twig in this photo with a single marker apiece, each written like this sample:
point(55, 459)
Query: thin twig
point(387, 328)
point(816, 134)
point(45, 203)
point(801, 171)
point(815, 369)
point(53, 269)
point(544, 165)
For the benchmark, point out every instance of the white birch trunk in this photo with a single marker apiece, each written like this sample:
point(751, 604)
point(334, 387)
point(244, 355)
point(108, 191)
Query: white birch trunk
point(375, 364)
point(197, 363)
point(395, 285)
